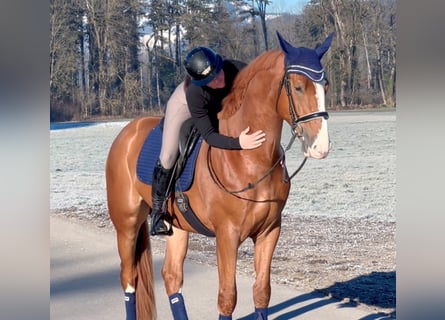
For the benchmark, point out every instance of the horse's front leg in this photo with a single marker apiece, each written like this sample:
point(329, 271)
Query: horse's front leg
point(264, 248)
point(227, 244)
point(173, 271)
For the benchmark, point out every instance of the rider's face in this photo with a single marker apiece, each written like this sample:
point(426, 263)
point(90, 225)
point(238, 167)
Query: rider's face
point(219, 82)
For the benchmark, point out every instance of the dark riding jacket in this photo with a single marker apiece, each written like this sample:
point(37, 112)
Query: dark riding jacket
point(204, 104)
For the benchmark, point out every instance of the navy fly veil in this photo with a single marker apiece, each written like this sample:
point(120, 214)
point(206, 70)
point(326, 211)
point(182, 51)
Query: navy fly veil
point(304, 60)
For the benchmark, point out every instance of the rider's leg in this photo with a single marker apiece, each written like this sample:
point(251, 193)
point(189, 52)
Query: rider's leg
point(161, 178)
point(175, 114)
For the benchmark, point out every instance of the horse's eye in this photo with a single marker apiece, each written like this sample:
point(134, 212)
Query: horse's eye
point(299, 89)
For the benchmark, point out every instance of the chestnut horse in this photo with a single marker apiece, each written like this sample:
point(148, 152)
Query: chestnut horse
point(235, 194)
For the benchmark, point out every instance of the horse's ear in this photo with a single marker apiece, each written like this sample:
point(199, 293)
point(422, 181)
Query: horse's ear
point(285, 46)
point(321, 50)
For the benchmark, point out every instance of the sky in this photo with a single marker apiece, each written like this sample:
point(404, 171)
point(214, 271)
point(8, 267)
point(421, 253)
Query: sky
point(291, 6)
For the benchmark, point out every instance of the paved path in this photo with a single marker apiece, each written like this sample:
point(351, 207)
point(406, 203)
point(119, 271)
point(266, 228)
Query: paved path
point(85, 284)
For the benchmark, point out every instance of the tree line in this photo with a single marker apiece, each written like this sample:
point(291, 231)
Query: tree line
point(123, 58)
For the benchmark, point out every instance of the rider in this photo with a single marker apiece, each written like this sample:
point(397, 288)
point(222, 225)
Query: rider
point(209, 79)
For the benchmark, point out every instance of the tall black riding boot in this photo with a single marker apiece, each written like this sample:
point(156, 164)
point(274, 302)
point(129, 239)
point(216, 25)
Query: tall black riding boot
point(161, 178)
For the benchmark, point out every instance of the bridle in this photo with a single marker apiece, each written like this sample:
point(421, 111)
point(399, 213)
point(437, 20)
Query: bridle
point(296, 120)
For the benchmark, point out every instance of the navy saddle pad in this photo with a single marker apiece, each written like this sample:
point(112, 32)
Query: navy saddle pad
point(150, 154)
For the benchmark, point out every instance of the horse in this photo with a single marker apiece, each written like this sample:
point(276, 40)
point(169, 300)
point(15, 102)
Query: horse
point(234, 194)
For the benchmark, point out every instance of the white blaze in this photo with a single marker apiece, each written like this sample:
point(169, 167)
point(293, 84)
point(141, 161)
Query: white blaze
point(320, 147)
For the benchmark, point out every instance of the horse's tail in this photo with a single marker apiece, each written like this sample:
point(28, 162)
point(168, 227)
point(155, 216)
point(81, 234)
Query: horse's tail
point(145, 293)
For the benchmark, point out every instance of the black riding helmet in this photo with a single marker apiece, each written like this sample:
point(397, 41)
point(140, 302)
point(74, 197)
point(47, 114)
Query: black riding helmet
point(203, 65)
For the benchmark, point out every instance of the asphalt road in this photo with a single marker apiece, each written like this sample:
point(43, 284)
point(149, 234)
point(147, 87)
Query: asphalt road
point(85, 284)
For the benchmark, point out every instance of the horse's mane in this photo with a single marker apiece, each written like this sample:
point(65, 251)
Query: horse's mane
point(264, 62)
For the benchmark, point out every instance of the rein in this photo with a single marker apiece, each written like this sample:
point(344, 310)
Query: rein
point(295, 123)
point(251, 185)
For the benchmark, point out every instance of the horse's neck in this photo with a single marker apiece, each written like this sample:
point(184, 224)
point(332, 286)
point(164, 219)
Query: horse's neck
point(257, 117)
point(254, 103)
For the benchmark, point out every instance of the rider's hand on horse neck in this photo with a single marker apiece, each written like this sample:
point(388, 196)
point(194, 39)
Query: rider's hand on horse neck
point(251, 141)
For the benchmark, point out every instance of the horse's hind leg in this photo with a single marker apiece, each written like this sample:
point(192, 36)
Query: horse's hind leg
point(129, 218)
point(264, 249)
point(128, 228)
point(173, 271)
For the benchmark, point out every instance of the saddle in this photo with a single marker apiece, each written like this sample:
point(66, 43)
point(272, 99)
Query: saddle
point(189, 144)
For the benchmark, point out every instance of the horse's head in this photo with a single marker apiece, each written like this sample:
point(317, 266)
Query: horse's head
point(305, 85)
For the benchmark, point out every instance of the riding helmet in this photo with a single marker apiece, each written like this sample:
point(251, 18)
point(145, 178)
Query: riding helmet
point(203, 65)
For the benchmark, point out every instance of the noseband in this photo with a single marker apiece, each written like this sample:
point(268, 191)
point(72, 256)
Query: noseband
point(295, 118)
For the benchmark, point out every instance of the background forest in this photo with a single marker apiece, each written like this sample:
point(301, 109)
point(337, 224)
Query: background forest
point(123, 58)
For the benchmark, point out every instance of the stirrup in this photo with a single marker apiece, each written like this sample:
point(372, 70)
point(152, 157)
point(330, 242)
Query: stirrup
point(157, 220)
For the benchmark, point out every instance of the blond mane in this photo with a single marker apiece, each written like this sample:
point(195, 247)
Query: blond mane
point(233, 101)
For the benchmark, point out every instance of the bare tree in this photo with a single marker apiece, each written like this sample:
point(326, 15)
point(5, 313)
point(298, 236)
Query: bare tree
point(95, 57)
point(262, 5)
point(383, 35)
point(65, 26)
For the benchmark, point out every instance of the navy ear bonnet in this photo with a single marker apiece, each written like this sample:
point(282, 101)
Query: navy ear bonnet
point(303, 60)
